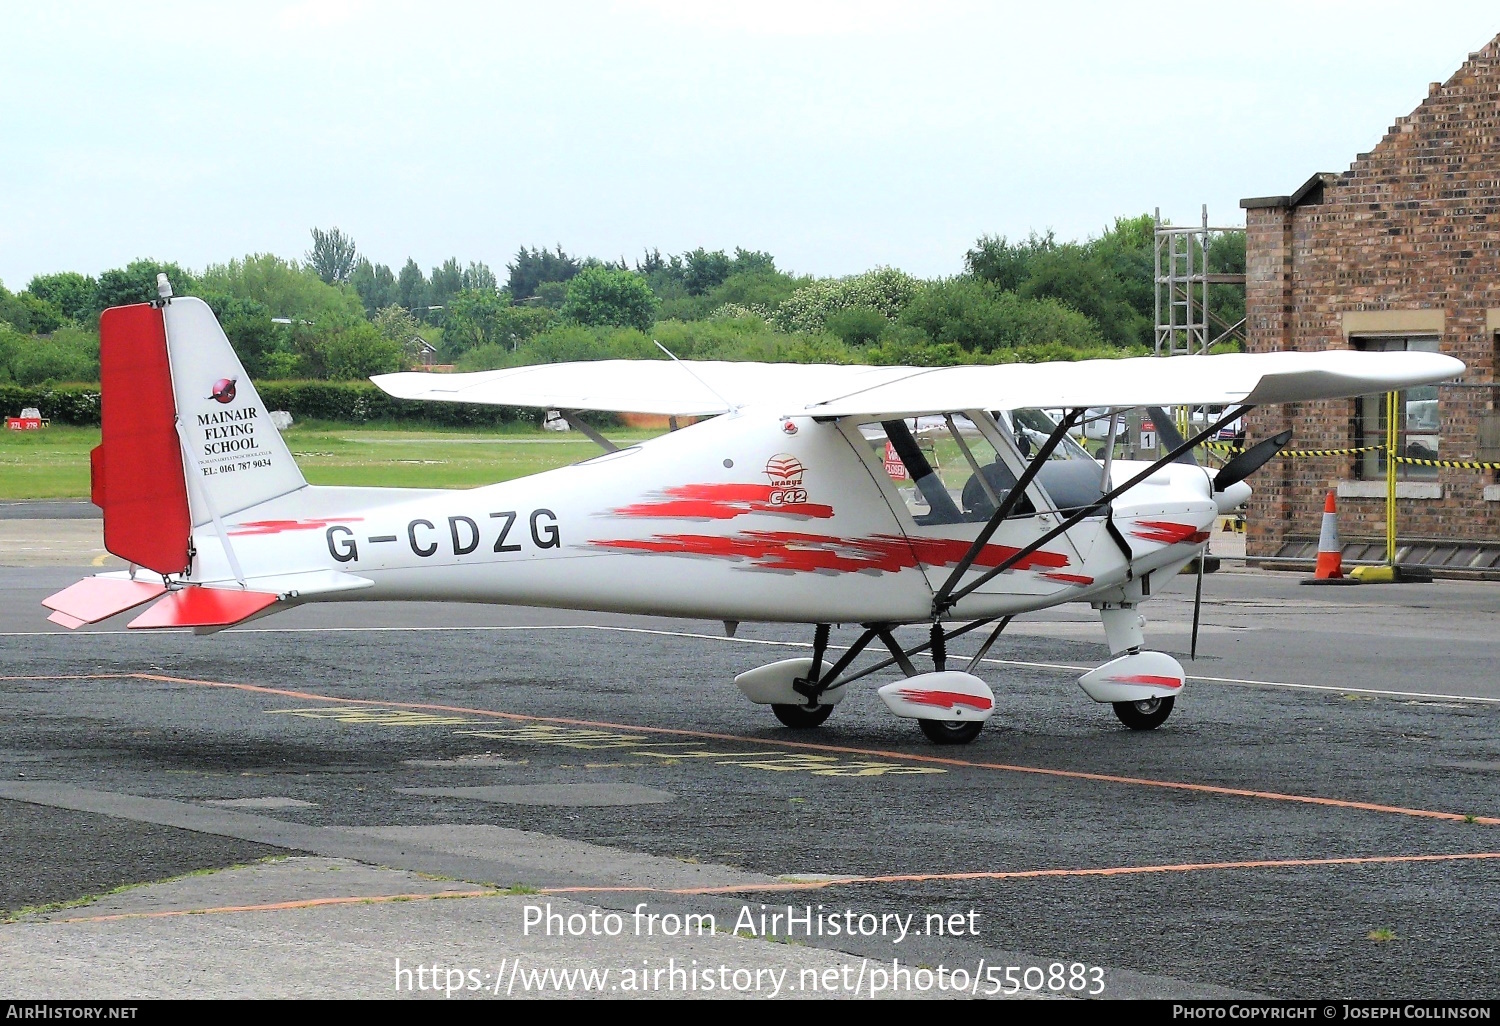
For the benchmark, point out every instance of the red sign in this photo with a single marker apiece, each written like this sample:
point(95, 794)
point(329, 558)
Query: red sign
point(893, 465)
point(23, 423)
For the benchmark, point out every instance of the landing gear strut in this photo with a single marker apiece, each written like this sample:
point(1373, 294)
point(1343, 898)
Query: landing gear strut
point(950, 707)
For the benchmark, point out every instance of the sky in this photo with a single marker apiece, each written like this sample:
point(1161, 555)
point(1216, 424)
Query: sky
point(836, 135)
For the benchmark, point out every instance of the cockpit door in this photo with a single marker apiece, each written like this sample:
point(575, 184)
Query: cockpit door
point(944, 476)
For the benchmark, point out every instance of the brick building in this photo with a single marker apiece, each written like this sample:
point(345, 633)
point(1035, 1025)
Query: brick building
point(1402, 251)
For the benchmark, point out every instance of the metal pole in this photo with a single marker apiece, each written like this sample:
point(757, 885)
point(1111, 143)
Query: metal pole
point(1156, 281)
point(1390, 478)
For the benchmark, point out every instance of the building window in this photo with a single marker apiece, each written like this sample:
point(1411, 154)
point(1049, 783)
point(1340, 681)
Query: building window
point(1418, 429)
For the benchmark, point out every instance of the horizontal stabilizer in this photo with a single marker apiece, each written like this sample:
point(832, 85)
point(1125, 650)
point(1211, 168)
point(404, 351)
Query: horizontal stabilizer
point(305, 585)
point(203, 607)
point(72, 623)
point(98, 598)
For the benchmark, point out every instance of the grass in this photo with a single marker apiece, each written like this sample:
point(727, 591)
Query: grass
point(54, 463)
point(7, 918)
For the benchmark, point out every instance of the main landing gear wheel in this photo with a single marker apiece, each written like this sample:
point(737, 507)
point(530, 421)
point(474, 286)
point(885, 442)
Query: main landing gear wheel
point(800, 717)
point(948, 732)
point(1145, 715)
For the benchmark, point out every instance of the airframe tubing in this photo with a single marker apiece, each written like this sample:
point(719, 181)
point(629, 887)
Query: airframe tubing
point(883, 632)
point(1103, 502)
point(1017, 492)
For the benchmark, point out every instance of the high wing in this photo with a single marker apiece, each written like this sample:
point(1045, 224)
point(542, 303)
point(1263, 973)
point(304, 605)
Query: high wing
point(698, 388)
point(684, 388)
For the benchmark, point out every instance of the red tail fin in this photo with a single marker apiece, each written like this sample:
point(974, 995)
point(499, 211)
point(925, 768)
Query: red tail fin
point(138, 474)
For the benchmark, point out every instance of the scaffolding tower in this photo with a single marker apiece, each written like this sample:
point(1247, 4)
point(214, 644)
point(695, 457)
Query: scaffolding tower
point(1185, 325)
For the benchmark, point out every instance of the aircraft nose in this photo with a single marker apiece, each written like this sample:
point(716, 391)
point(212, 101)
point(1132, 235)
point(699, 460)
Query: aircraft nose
point(1233, 497)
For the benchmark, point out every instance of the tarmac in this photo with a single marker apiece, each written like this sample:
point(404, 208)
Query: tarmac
point(384, 800)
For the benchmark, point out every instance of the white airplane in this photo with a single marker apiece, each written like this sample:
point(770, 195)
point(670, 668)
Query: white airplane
point(806, 497)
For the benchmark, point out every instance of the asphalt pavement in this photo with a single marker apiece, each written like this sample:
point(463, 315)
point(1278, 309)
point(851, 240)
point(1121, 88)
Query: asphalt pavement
point(1317, 819)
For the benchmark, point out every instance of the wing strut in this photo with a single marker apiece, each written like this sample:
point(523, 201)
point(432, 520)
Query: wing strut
point(946, 599)
point(940, 603)
point(577, 423)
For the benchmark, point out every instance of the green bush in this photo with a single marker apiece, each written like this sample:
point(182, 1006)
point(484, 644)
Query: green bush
point(600, 296)
point(63, 404)
point(981, 318)
point(69, 354)
point(858, 325)
point(884, 289)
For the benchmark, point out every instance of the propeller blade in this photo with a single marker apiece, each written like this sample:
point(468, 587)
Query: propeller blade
point(1249, 461)
point(1169, 435)
point(1197, 607)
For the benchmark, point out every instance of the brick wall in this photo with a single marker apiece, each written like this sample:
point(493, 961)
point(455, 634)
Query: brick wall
point(1413, 224)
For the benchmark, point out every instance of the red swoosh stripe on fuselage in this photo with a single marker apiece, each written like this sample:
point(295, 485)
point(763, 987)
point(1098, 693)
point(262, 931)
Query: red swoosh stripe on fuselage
point(818, 553)
point(278, 526)
point(721, 502)
point(1168, 532)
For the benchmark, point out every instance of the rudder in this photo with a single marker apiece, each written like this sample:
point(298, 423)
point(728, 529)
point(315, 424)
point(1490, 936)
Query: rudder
point(137, 471)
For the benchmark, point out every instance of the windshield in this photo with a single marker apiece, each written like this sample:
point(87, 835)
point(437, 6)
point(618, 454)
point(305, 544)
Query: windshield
point(1032, 428)
point(945, 468)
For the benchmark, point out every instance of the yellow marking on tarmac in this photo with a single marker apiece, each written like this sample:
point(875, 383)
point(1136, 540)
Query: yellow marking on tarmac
point(1032, 874)
point(815, 885)
point(378, 717)
point(637, 744)
point(914, 757)
point(282, 906)
point(100, 559)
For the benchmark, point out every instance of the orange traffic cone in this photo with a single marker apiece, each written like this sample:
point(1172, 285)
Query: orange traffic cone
point(1330, 568)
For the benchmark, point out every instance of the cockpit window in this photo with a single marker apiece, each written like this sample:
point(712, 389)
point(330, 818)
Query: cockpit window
point(945, 468)
point(1032, 428)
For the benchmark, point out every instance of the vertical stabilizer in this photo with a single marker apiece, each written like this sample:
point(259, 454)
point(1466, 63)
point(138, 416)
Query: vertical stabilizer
point(236, 457)
point(137, 468)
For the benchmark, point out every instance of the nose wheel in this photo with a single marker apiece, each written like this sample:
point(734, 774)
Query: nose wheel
point(1147, 714)
point(800, 717)
point(947, 732)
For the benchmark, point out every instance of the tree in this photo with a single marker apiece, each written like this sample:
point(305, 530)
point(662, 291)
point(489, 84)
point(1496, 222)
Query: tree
point(532, 267)
point(1074, 276)
point(884, 289)
point(375, 284)
point(444, 281)
point(284, 287)
point(396, 325)
point(982, 318)
point(705, 271)
point(411, 288)
point(72, 293)
point(136, 283)
point(353, 352)
point(332, 255)
point(858, 325)
point(748, 261)
point(247, 324)
point(484, 317)
point(1226, 302)
point(995, 259)
point(71, 354)
point(479, 276)
point(604, 296)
